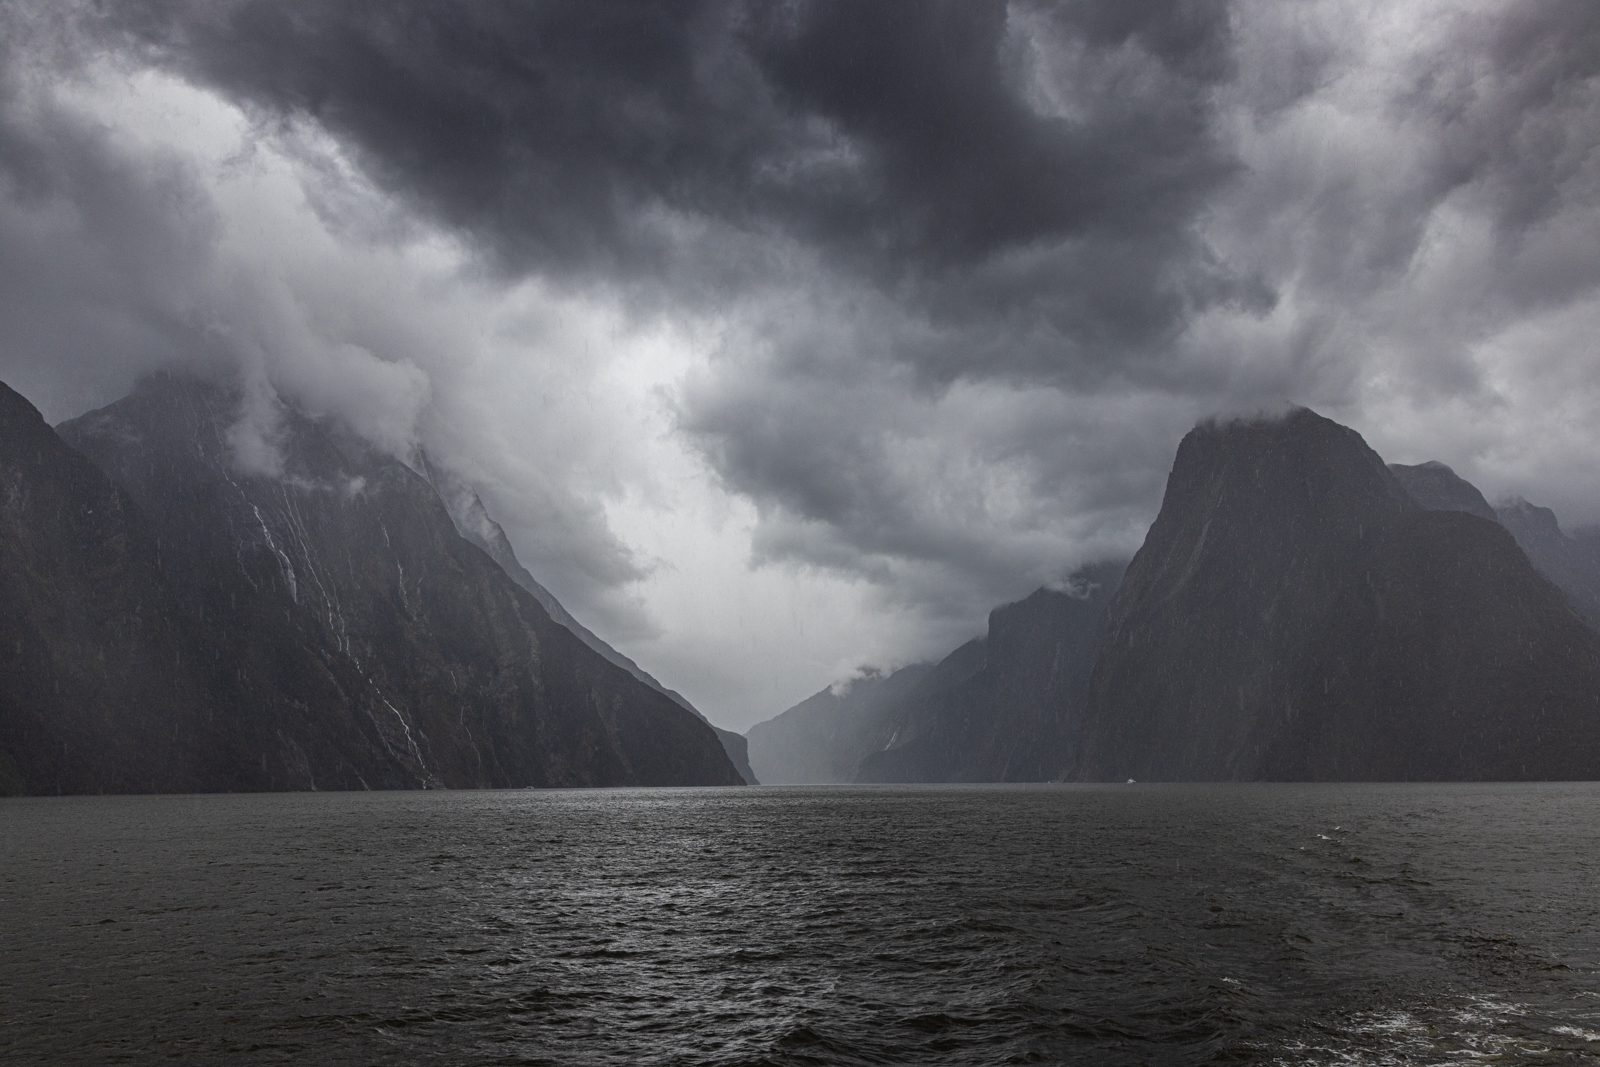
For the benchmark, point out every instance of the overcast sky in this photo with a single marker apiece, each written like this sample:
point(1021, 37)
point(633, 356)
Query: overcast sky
point(789, 337)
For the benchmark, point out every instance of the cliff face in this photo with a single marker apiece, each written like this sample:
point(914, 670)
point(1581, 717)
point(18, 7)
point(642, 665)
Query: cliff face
point(1016, 718)
point(364, 641)
point(1293, 614)
point(1572, 563)
point(98, 684)
point(474, 523)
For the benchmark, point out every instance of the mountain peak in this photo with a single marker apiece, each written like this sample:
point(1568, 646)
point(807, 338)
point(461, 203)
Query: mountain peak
point(1515, 512)
point(367, 642)
point(1436, 487)
point(1295, 614)
point(1285, 464)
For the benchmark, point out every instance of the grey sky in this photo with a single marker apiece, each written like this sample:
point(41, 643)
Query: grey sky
point(788, 337)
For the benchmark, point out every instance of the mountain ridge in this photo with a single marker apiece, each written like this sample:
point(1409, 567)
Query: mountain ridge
point(370, 644)
point(94, 692)
point(474, 522)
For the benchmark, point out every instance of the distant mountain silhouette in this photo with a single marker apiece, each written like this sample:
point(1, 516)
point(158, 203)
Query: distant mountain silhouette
point(1572, 562)
point(326, 624)
point(1016, 717)
point(1005, 707)
point(823, 738)
point(1436, 487)
point(1294, 614)
point(334, 618)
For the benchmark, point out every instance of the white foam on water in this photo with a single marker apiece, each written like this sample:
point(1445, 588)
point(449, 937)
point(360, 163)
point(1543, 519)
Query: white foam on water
point(1574, 1031)
point(1475, 1028)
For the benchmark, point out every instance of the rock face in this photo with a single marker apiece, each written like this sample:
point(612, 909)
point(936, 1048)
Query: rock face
point(1572, 563)
point(352, 637)
point(99, 690)
point(1002, 708)
point(474, 523)
point(1294, 615)
point(1016, 717)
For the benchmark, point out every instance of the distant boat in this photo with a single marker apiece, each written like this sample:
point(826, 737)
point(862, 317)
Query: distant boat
point(1132, 782)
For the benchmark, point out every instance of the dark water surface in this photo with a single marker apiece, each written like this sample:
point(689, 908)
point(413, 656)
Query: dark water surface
point(918, 925)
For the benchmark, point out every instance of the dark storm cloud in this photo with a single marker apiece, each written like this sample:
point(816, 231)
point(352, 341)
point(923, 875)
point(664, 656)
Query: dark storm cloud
point(984, 191)
point(955, 164)
point(122, 252)
point(541, 128)
point(904, 142)
point(101, 254)
point(1535, 130)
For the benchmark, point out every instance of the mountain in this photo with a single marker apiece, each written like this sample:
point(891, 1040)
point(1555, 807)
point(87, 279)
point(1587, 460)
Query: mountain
point(822, 738)
point(99, 688)
point(474, 522)
point(1015, 718)
point(1435, 487)
point(1293, 614)
point(1004, 707)
point(1571, 562)
point(362, 641)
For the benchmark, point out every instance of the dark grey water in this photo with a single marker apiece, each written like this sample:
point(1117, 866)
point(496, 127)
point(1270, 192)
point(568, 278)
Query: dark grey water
point(1100, 925)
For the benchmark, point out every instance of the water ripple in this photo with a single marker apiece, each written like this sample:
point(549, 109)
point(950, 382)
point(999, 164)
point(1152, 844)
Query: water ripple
point(902, 925)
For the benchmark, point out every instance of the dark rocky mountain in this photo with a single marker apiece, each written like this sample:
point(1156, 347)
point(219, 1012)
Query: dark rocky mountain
point(475, 523)
point(1016, 717)
point(359, 639)
point(99, 687)
point(1436, 487)
point(1001, 708)
point(1295, 615)
point(1572, 562)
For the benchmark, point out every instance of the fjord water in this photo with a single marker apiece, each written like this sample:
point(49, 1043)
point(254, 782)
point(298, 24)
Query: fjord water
point(921, 925)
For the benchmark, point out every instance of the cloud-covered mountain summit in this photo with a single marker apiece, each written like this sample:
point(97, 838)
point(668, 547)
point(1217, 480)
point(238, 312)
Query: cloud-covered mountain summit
point(193, 616)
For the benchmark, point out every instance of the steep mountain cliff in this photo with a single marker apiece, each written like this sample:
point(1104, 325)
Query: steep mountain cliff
point(1016, 717)
point(368, 643)
point(1573, 563)
point(475, 523)
point(1293, 614)
point(99, 690)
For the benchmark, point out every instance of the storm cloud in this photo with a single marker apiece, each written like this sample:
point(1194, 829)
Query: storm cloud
point(915, 299)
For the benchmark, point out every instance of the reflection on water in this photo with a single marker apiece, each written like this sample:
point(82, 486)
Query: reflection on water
point(926, 925)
